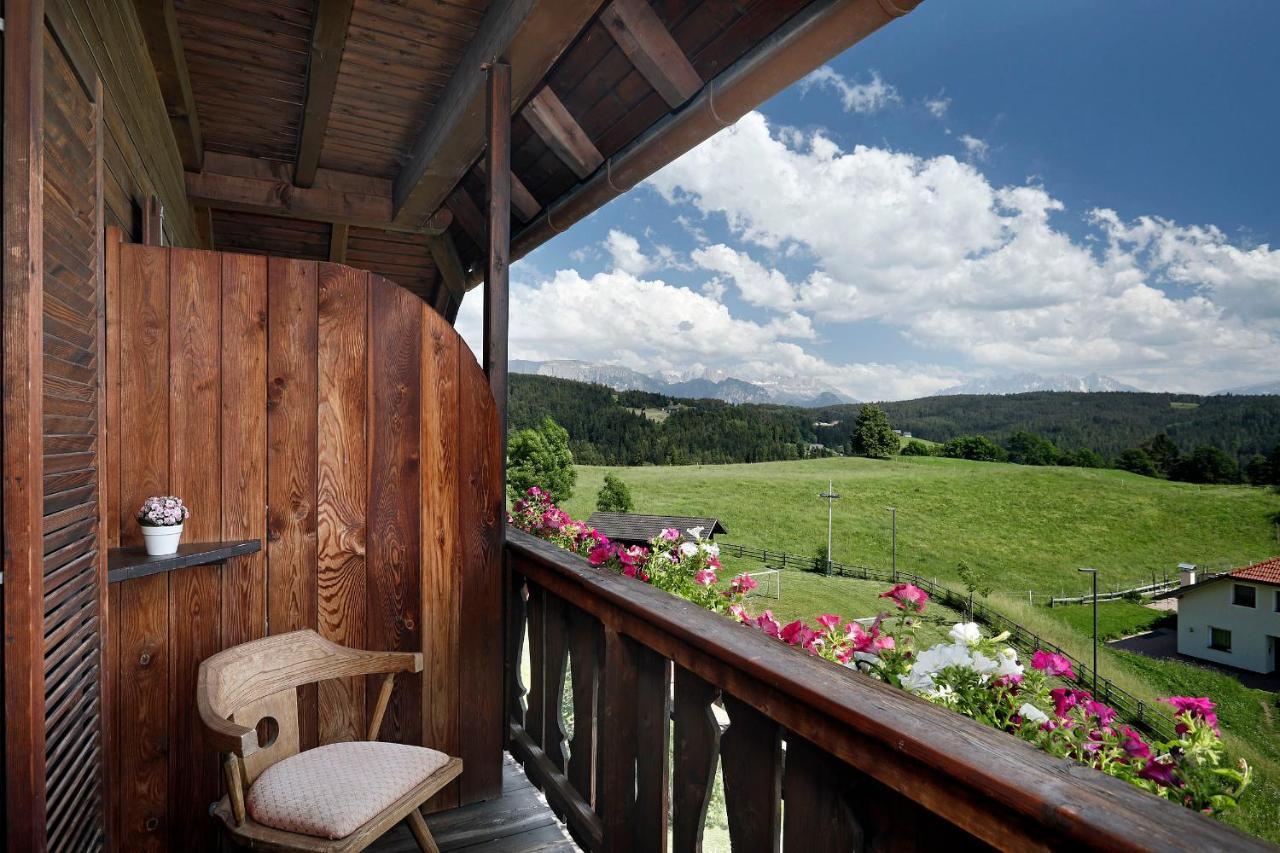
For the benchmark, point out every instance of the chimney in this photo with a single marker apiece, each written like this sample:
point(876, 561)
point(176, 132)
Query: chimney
point(1186, 574)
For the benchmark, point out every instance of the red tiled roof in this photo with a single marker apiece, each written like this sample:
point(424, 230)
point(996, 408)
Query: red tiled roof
point(1268, 571)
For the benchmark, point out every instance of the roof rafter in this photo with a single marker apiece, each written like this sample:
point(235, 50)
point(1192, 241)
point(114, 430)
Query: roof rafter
point(451, 279)
point(527, 34)
point(328, 38)
point(164, 44)
point(338, 242)
point(551, 120)
point(649, 45)
point(234, 182)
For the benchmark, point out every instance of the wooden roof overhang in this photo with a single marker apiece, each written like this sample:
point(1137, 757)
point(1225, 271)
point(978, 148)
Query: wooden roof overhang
point(352, 130)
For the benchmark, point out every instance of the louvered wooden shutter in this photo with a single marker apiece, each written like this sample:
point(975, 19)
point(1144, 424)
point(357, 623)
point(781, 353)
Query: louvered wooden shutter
point(74, 569)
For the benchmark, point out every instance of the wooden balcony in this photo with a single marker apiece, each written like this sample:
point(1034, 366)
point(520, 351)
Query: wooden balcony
point(816, 756)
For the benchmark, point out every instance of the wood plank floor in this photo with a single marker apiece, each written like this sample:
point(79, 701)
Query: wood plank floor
point(520, 821)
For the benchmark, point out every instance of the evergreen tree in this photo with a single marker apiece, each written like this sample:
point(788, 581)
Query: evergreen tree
point(1164, 454)
point(1207, 465)
point(1135, 459)
point(614, 496)
point(1273, 467)
point(1256, 471)
point(541, 457)
point(977, 448)
point(872, 435)
point(1027, 448)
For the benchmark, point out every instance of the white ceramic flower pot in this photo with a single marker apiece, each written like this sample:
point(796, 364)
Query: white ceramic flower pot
point(161, 541)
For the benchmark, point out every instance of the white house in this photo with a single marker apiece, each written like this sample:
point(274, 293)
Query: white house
point(1232, 618)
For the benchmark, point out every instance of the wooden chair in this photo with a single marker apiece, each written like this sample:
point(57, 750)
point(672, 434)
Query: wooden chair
point(252, 688)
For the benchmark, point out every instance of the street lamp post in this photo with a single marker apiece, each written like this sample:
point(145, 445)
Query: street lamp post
point(831, 497)
point(1093, 574)
point(893, 511)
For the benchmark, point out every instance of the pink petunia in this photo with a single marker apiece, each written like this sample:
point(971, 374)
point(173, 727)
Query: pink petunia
point(670, 534)
point(908, 597)
point(765, 622)
point(600, 554)
point(828, 620)
point(739, 614)
point(1133, 745)
point(705, 577)
point(1199, 707)
point(1160, 772)
point(1052, 664)
point(743, 584)
point(1102, 712)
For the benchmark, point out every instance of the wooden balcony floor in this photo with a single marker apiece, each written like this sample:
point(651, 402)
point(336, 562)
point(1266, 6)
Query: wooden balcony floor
point(520, 821)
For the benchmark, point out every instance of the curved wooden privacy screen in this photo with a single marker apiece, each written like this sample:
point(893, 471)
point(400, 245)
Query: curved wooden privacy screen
point(332, 414)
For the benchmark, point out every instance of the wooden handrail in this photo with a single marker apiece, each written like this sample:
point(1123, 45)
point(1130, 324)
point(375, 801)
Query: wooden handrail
point(932, 767)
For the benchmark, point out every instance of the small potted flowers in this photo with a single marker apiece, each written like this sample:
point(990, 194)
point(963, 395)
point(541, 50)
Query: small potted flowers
point(161, 520)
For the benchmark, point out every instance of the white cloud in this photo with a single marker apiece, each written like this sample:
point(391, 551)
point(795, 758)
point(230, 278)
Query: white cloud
point(868, 97)
point(974, 147)
point(938, 106)
point(930, 246)
point(625, 252)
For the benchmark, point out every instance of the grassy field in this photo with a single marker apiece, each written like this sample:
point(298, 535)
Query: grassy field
point(1116, 619)
point(1024, 528)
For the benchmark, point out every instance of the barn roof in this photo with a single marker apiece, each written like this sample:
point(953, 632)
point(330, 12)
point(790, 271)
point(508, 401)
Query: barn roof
point(629, 527)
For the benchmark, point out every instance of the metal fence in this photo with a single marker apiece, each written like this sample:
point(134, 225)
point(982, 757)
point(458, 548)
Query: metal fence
point(1137, 711)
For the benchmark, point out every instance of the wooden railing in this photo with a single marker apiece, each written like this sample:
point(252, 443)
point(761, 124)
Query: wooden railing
point(859, 765)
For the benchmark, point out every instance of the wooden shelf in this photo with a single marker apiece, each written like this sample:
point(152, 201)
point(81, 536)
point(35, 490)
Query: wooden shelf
point(127, 563)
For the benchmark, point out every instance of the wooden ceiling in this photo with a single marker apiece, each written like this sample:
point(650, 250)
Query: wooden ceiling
point(351, 129)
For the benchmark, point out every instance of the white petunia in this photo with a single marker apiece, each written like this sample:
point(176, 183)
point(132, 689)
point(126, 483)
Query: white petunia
point(1032, 714)
point(965, 632)
point(688, 549)
point(984, 665)
point(695, 532)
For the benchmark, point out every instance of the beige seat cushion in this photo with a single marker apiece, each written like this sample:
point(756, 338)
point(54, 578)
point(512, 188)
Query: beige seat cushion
point(330, 791)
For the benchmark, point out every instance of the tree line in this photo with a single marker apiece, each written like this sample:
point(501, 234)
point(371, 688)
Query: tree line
point(1199, 439)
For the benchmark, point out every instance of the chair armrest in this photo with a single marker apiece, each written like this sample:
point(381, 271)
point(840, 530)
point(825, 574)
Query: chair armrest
point(220, 733)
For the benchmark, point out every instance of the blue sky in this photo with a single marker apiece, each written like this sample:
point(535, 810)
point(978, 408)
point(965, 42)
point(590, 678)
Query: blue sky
point(981, 188)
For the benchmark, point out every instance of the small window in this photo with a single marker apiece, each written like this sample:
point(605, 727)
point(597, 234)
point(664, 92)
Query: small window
point(1219, 639)
point(1244, 596)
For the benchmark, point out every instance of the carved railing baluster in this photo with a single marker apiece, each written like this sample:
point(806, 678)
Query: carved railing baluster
point(653, 761)
point(555, 650)
point(696, 754)
point(534, 723)
point(517, 614)
point(616, 782)
point(751, 760)
point(584, 655)
point(818, 816)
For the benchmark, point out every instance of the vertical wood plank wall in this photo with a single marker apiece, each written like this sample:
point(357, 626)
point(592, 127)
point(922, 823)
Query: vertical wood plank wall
point(333, 414)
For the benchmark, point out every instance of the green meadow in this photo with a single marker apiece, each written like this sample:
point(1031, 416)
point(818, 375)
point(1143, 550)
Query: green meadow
point(1023, 528)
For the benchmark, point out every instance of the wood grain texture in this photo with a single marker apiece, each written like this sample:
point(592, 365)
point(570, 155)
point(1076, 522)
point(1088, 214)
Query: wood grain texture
point(195, 392)
point(244, 432)
point(292, 295)
point(395, 434)
point(144, 714)
point(441, 579)
point(551, 120)
point(480, 521)
point(696, 755)
point(649, 45)
point(342, 489)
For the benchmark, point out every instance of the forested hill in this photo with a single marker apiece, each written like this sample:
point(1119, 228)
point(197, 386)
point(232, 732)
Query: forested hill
point(608, 427)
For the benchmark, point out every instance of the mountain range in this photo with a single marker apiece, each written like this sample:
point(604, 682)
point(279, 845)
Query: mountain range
point(1023, 383)
point(698, 385)
point(1260, 388)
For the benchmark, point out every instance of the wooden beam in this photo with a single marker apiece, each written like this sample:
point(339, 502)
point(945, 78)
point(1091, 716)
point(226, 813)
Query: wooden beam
point(233, 182)
point(498, 250)
point(550, 119)
point(328, 38)
point(522, 201)
point(451, 278)
point(649, 45)
point(152, 221)
point(204, 225)
point(21, 307)
point(164, 43)
point(338, 242)
point(530, 36)
point(467, 214)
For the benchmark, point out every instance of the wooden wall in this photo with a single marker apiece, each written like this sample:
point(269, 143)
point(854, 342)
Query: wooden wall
point(335, 415)
point(141, 157)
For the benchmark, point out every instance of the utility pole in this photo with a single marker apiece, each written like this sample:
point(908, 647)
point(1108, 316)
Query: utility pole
point(893, 510)
point(831, 497)
point(1093, 573)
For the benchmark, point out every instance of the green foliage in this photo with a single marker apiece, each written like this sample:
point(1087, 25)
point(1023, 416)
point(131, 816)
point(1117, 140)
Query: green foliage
point(976, 448)
point(1082, 458)
point(915, 447)
point(1164, 454)
point(1028, 448)
point(872, 435)
point(614, 496)
point(540, 456)
point(1256, 471)
point(1136, 460)
point(1206, 465)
